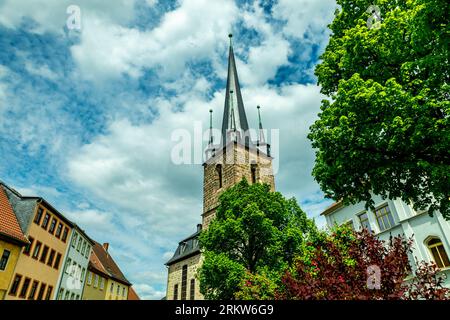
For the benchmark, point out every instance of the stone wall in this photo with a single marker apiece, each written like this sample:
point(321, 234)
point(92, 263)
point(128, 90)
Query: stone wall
point(175, 271)
point(236, 163)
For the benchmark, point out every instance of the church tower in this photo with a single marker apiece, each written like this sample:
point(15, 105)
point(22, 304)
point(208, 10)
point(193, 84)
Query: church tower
point(235, 157)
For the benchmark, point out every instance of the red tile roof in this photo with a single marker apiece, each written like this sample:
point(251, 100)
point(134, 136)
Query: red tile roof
point(9, 225)
point(132, 295)
point(102, 261)
point(94, 263)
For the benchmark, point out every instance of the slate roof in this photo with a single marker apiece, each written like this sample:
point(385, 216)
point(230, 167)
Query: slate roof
point(234, 116)
point(186, 248)
point(24, 207)
point(102, 261)
point(9, 225)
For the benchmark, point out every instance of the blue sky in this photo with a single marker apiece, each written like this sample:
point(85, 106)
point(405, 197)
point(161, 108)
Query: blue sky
point(86, 115)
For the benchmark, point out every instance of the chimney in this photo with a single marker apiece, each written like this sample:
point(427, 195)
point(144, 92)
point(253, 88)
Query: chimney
point(106, 246)
point(199, 227)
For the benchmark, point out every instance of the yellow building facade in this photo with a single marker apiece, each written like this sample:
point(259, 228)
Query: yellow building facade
point(9, 255)
point(105, 280)
point(40, 262)
point(12, 240)
point(95, 287)
point(116, 290)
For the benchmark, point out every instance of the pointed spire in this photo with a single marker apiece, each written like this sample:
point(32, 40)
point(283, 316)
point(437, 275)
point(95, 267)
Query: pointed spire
point(234, 117)
point(261, 132)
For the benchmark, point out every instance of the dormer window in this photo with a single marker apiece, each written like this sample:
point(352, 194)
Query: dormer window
point(183, 247)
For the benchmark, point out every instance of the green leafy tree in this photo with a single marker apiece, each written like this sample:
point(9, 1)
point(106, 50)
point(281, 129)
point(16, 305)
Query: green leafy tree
point(255, 231)
point(385, 128)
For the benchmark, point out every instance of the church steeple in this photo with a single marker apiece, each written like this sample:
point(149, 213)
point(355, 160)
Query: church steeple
point(234, 124)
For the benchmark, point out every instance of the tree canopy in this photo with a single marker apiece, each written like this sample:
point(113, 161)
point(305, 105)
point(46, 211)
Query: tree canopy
point(385, 127)
point(255, 231)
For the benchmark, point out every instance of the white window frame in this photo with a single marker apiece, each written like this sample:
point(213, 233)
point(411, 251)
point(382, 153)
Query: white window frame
point(96, 281)
point(358, 215)
point(381, 206)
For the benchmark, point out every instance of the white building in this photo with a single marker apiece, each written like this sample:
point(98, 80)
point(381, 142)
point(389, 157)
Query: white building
point(431, 235)
point(72, 277)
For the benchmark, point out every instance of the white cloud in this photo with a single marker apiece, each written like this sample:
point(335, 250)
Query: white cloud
point(265, 59)
point(147, 292)
point(30, 109)
point(190, 32)
point(151, 3)
point(39, 191)
point(4, 71)
point(167, 255)
point(51, 15)
point(92, 219)
point(304, 16)
point(41, 71)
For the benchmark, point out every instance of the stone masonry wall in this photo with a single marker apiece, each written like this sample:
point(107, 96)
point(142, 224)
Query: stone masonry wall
point(236, 164)
point(175, 273)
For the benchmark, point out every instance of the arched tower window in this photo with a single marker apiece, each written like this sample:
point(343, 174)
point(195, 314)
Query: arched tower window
point(438, 252)
point(175, 292)
point(219, 174)
point(192, 290)
point(253, 172)
point(184, 282)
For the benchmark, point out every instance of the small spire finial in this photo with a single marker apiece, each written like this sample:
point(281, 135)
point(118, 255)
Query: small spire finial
point(261, 132)
point(259, 116)
point(210, 127)
point(210, 118)
point(230, 36)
